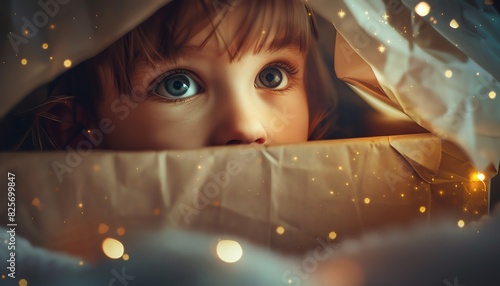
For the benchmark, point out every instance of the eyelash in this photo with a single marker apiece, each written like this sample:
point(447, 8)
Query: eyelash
point(292, 71)
point(290, 68)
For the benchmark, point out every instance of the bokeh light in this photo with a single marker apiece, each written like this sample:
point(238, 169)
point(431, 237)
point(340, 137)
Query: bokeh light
point(332, 235)
point(454, 24)
point(423, 9)
point(112, 248)
point(280, 230)
point(229, 251)
point(67, 63)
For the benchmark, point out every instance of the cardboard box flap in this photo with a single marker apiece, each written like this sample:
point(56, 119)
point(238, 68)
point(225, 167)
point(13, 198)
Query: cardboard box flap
point(423, 154)
point(285, 198)
point(456, 152)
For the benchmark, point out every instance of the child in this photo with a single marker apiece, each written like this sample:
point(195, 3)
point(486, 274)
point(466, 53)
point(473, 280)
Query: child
point(195, 74)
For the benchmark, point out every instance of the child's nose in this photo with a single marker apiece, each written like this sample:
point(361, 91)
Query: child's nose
point(241, 122)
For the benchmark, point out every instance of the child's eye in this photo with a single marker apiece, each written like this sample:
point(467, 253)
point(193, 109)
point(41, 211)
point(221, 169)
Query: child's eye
point(272, 77)
point(177, 85)
point(277, 76)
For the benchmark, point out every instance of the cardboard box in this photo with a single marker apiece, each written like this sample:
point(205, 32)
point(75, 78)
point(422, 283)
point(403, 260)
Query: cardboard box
point(286, 198)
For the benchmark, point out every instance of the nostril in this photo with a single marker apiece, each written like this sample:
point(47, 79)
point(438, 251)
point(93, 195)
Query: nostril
point(239, 142)
point(260, 141)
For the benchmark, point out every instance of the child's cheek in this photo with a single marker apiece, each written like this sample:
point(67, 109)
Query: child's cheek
point(149, 125)
point(289, 121)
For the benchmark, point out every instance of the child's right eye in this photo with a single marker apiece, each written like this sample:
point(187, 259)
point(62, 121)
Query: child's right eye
point(177, 84)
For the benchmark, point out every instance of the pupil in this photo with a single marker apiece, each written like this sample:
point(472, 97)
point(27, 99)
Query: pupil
point(177, 85)
point(270, 77)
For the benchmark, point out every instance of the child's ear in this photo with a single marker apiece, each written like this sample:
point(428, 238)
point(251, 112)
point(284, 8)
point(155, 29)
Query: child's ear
point(66, 121)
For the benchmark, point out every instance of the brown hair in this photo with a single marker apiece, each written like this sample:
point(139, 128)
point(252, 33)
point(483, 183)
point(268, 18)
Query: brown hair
point(163, 35)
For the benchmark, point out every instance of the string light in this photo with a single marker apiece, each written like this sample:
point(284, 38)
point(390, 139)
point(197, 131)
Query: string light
point(478, 176)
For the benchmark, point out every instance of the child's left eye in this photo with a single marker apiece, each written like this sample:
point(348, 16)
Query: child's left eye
point(178, 85)
point(272, 77)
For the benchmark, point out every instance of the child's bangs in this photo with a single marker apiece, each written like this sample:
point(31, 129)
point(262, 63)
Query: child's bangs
point(265, 25)
point(261, 25)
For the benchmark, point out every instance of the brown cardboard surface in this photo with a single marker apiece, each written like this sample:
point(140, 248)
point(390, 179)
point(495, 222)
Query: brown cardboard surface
point(285, 197)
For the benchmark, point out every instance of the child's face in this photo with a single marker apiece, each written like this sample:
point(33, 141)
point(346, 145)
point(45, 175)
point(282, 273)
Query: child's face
point(204, 99)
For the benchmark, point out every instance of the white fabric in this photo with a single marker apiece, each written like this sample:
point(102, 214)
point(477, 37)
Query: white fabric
point(72, 29)
point(412, 69)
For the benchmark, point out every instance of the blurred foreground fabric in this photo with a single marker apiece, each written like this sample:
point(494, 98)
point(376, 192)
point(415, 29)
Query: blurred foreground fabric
point(442, 254)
